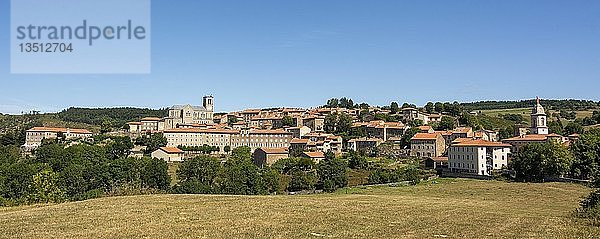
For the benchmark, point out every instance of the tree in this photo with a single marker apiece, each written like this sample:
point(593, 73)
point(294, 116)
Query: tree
point(231, 119)
point(394, 108)
point(555, 127)
point(288, 121)
point(300, 170)
point(332, 103)
point(152, 142)
point(106, 126)
point(506, 132)
point(197, 175)
point(332, 173)
point(573, 128)
point(357, 161)
point(154, 174)
point(118, 147)
point(330, 123)
point(44, 188)
point(240, 176)
point(586, 151)
point(241, 153)
point(272, 180)
point(537, 161)
point(227, 148)
point(446, 123)
point(429, 107)
point(344, 124)
point(408, 134)
point(439, 107)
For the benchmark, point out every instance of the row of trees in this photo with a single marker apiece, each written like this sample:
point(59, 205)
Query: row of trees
point(238, 175)
point(108, 117)
point(557, 104)
point(78, 172)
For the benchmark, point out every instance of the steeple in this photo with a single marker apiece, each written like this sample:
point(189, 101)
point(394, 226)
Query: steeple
point(538, 118)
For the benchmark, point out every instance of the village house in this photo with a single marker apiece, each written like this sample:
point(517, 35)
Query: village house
point(363, 144)
point(315, 156)
point(168, 154)
point(315, 123)
point(298, 132)
point(427, 145)
point(381, 129)
point(269, 156)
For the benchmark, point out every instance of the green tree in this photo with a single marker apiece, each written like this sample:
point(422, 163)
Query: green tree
point(330, 123)
point(198, 175)
point(241, 177)
point(344, 124)
point(44, 188)
point(408, 134)
point(506, 132)
point(439, 107)
point(300, 170)
point(154, 174)
point(106, 126)
point(288, 121)
point(231, 119)
point(536, 161)
point(332, 173)
point(573, 128)
point(429, 107)
point(394, 108)
point(447, 123)
point(272, 180)
point(119, 147)
point(555, 127)
point(152, 142)
point(587, 155)
point(357, 161)
point(241, 153)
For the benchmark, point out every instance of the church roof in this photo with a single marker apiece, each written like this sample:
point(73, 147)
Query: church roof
point(180, 107)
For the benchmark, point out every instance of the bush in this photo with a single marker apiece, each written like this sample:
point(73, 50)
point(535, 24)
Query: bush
point(590, 208)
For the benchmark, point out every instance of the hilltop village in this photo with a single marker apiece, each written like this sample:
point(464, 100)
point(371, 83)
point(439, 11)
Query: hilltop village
point(279, 133)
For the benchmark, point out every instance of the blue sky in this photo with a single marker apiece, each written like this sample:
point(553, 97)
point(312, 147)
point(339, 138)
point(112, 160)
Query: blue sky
point(300, 53)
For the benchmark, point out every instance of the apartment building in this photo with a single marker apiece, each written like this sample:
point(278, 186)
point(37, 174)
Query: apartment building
point(198, 137)
point(477, 156)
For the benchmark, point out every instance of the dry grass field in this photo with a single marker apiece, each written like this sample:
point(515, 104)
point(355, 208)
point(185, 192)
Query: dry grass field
point(447, 209)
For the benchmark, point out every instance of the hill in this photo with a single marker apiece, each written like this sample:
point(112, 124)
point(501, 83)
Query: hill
point(449, 208)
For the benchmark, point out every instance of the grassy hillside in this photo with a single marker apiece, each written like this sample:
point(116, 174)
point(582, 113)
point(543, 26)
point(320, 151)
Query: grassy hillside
point(449, 208)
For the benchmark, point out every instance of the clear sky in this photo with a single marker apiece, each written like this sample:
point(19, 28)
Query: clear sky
point(300, 53)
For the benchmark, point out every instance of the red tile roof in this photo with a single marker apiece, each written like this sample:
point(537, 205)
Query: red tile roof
point(56, 130)
point(171, 150)
point(197, 130)
point(479, 143)
point(150, 119)
point(528, 137)
point(425, 136)
point(315, 154)
point(275, 150)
